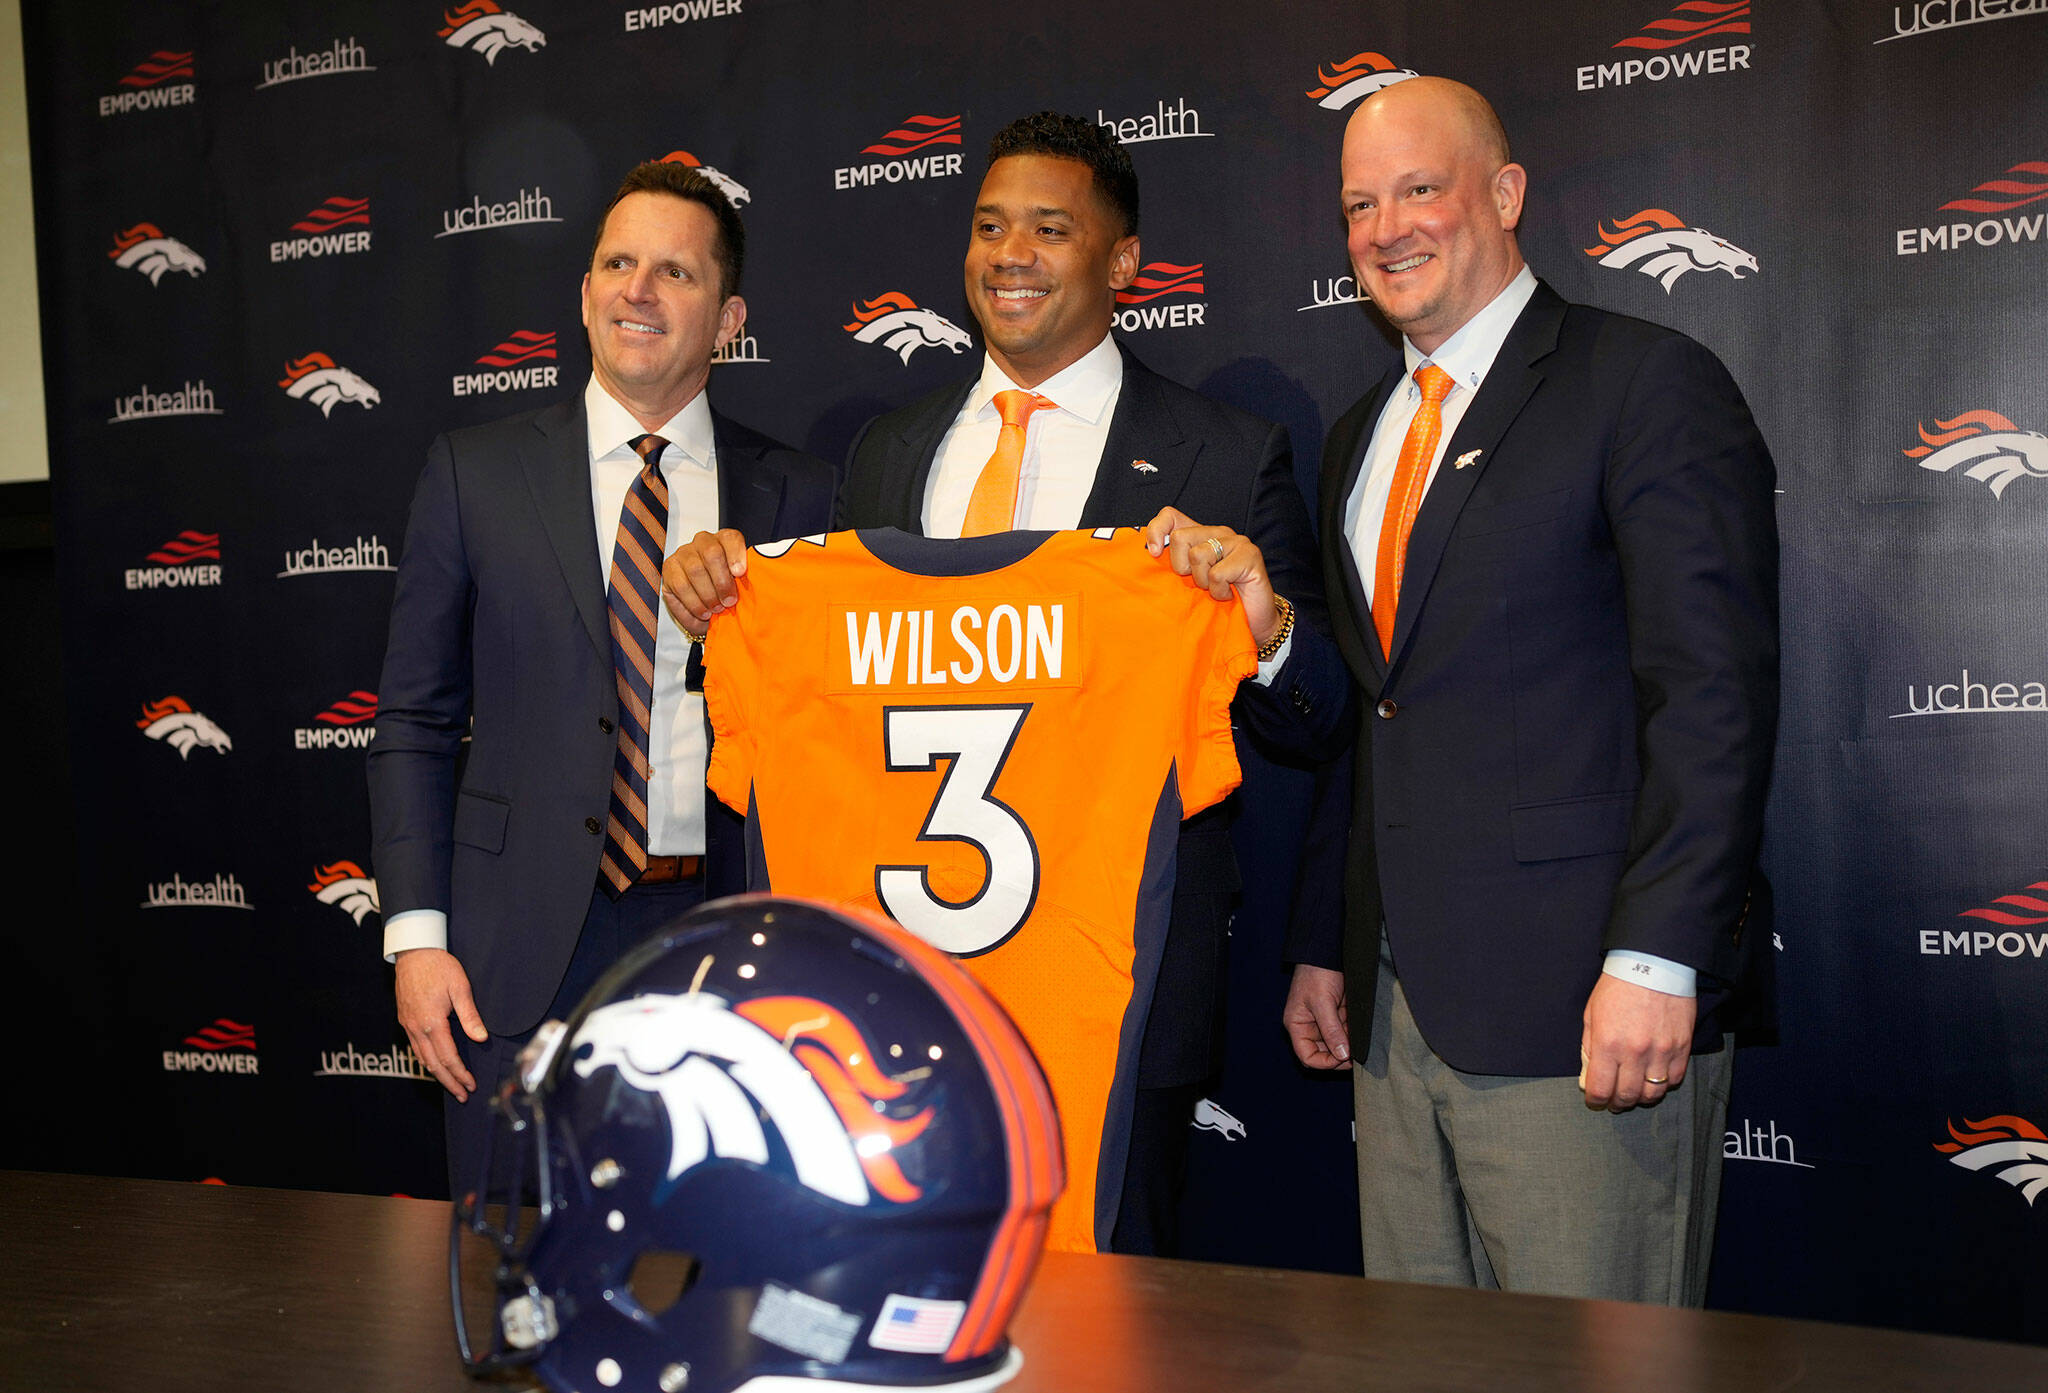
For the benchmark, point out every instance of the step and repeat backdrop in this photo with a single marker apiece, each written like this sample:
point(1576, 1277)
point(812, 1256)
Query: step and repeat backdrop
point(284, 246)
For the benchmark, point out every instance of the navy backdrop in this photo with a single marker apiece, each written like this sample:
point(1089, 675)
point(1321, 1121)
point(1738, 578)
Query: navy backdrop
point(282, 247)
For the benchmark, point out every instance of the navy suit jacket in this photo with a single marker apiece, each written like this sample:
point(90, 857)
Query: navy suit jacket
point(499, 614)
point(1570, 749)
point(1219, 466)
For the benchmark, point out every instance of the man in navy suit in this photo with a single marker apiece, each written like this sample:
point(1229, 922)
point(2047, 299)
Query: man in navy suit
point(1054, 236)
point(1551, 543)
point(512, 876)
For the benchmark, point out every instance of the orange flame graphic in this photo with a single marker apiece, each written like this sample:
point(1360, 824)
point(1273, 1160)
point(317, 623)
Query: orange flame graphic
point(324, 876)
point(1671, 31)
point(155, 711)
point(299, 367)
point(1630, 228)
point(1357, 65)
point(1962, 427)
point(141, 232)
point(475, 9)
point(867, 311)
point(2004, 1127)
point(682, 157)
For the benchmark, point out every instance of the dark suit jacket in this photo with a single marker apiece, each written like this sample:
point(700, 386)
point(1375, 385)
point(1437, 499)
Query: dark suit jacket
point(499, 613)
point(1570, 749)
point(1219, 466)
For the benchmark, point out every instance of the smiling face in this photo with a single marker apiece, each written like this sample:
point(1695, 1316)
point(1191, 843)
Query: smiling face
point(653, 307)
point(1045, 260)
point(1430, 206)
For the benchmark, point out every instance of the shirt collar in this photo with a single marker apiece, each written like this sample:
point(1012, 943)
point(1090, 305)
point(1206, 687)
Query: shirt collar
point(612, 428)
point(1082, 388)
point(1468, 354)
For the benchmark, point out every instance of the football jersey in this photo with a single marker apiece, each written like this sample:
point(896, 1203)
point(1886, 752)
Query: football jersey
point(993, 741)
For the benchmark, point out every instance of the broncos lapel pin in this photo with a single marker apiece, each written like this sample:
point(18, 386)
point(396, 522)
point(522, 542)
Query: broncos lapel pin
point(1144, 466)
point(1469, 457)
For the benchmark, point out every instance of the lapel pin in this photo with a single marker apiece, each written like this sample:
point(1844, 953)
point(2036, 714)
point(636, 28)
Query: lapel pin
point(1144, 466)
point(1469, 457)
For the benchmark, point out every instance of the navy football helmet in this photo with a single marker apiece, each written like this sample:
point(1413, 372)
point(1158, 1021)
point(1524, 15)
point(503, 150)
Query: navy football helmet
point(778, 1147)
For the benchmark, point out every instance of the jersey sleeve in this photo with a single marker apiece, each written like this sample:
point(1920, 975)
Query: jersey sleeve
point(732, 685)
point(1222, 656)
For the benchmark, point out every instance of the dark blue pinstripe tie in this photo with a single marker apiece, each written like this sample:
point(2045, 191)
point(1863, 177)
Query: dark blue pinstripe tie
point(634, 600)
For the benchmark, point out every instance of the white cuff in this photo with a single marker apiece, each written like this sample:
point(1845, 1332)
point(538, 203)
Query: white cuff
point(1643, 969)
point(414, 928)
point(1271, 666)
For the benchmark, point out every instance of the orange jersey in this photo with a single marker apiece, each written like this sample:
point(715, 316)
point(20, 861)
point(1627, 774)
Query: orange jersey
point(993, 741)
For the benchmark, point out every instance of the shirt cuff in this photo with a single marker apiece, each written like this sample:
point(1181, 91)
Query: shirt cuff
point(1272, 665)
point(1643, 969)
point(414, 928)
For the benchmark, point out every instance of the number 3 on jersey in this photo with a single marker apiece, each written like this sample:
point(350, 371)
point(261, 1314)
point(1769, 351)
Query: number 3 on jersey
point(978, 740)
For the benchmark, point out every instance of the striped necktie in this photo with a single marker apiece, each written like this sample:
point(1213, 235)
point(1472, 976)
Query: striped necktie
point(635, 593)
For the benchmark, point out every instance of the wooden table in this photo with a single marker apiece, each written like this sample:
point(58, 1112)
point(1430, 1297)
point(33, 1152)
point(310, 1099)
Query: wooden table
point(154, 1287)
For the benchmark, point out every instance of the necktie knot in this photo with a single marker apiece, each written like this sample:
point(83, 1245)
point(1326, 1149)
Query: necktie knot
point(1015, 406)
point(1435, 383)
point(649, 448)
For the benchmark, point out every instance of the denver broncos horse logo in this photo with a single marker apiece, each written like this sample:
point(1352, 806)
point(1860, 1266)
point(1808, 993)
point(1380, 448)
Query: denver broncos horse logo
point(1360, 75)
point(174, 722)
point(2011, 1143)
point(481, 25)
point(722, 1071)
point(345, 886)
point(1996, 450)
point(1662, 247)
point(144, 248)
point(734, 191)
point(894, 321)
point(319, 379)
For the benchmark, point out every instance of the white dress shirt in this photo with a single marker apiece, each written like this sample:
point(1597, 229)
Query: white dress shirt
point(677, 744)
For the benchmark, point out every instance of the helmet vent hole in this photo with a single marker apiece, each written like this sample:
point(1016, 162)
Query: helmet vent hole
point(659, 1279)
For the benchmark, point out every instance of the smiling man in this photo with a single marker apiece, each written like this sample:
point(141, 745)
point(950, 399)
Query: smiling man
point(526, 622)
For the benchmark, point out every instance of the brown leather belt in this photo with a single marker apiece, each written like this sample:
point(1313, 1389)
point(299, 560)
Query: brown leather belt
point(666, 870)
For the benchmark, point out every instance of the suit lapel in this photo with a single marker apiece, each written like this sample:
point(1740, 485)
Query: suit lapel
point(749, 488)
point(1338, 500)
point(1146, 457)
point(907, 467)
point(1509, 383)
point(556, 462)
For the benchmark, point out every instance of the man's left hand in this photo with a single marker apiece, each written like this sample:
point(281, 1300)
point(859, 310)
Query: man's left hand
point(1219, 560)
point(1635, 1045)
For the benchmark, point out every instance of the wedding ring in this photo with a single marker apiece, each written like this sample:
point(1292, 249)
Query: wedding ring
point(1219, 547)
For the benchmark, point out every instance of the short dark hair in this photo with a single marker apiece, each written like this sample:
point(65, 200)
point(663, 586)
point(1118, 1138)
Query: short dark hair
point(679, 180)
point(1076, 138)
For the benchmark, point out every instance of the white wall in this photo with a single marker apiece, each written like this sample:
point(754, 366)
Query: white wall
point(24, 446)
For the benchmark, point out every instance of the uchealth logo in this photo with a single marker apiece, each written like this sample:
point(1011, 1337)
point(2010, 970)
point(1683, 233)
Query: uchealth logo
point(192, 399)
point(1675, 43)
point(144, 248)
point(151, 85)
point(1934, 16)
point(1355, 79)
point(320, 380)
point(896, 322)
point(1177, 122)
point(734, 191)
point(1972, 696)
point(1333, 290)
point(521, 361)
point(222, 1047)
point(2019, 928)
point(678, 12)
point(1761, 1141)
point(482, 27)
point(347, 887)
point(397, 1062)
point(217, 892)
point(2008, 1147)
point(1985, 446)
point(346, 725)
point(2001, 197)
point(530, 206)
point(341, 56)
point(913, 150)
point(362, 554)
point(1156, 281)
point(324, 231)
point(189, 559)
point(1662, 247)
point(742, 347)
point(173, 721)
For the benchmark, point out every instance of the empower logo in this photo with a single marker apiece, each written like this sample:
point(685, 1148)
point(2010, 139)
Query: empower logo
point(2021, 931)
point(144, 248)
point(2009, 1147)
point(896, 322)
point(347, 887)
point(900, 158)
point(484, 28)
point(525, 359)
point(322, 381)
point(150, 86)
point(1687, 24)
point(1662, 247)
point(323, 228)
point(180, 562)
point(679, 12)
point(1158, 280)
point(2024, 183)
point(223, 1047)
point(1985, 446)
point(343, 726)
point(173, 721)
point(734, 191)
point(1354, 79)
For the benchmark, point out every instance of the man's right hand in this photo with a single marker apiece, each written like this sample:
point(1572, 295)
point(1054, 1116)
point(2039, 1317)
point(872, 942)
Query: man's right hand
point(1316, 1019)
point(431, 986)
point(697, 578)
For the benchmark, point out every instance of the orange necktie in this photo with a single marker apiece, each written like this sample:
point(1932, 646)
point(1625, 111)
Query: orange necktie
point(1405, 498)
point(993, 505)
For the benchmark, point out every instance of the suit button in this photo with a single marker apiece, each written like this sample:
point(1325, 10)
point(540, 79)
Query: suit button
point(1387, 710)
point(604, 723)
point(592, 826)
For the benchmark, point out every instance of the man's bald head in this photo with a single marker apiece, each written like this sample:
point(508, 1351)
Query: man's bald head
point(1469, 117)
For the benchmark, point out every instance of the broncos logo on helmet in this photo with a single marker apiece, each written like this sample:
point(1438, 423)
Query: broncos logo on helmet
point(319, 379)
point(345, 886)
point(1996, 451)
point(2012, 1148)
point(896, 322)
point(1662, 247)
point(144, 248)
point(720, 1071)
point(481, 25)
point(174, 722)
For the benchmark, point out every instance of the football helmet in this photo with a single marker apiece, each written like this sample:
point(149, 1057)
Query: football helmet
point(778, 1147)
